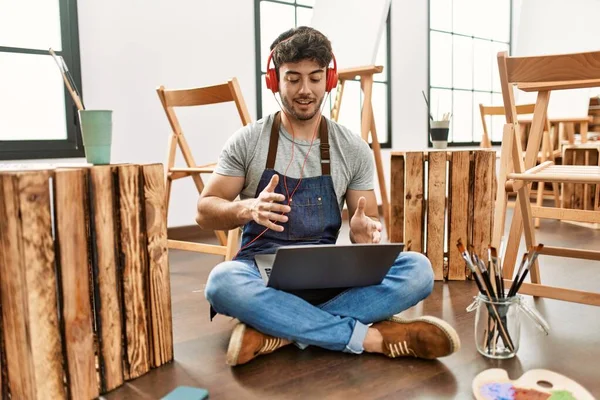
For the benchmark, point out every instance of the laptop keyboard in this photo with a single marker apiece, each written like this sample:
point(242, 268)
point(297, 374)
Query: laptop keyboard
point(268, 272)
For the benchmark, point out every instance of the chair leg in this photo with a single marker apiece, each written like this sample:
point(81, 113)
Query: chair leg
point(232, 244)
point(501, 195)
point(168, 195)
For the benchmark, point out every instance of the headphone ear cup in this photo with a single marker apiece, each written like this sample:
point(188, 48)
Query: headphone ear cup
point(271, 80)
point(332, 79)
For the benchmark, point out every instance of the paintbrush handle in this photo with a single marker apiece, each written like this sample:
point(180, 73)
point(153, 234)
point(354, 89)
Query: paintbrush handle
point(521, 281)
point(488, 283)
point(74, 95)
point(503, 332)
point(527, 268)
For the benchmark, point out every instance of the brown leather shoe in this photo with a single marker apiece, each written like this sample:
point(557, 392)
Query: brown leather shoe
point(424, 337)
point(247, 343)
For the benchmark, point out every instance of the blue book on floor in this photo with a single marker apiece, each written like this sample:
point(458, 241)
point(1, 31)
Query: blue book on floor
point(187, 393)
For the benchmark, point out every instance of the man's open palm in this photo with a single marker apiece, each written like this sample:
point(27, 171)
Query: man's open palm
point(363, 228)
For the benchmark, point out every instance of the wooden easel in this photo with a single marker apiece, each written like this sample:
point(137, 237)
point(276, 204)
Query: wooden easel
point(367, 123)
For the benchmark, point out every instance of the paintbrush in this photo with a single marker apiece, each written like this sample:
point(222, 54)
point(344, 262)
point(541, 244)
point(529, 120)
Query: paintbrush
point(532, 259)
point(472, 267)
point(484, 273)
point(511, 291)
point(68, 79)
point(496, 316)
point(493, 256)
point(427, 102)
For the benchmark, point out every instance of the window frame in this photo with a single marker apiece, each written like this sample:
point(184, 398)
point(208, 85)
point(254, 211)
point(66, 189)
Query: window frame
point(388, 71)
point(72, 146)
point(452, 89)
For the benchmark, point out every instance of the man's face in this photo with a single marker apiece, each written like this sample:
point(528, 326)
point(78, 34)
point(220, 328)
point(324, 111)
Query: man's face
point(302, 88)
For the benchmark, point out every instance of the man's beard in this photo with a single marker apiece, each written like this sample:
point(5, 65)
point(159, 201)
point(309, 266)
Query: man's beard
point(301, 117)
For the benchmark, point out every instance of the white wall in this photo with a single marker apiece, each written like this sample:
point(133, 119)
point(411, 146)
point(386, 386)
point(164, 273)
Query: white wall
point(128, 48)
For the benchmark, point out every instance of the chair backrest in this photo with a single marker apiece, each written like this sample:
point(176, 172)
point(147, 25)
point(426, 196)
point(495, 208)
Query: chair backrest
point(543, 74)
point(498, 110)
point(221, 93)
point(546, 73)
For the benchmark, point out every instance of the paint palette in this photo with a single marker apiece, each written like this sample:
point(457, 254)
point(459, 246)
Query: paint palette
point(536, 384)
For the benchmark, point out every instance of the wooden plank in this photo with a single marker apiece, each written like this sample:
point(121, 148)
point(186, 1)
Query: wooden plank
point(566, 214)
point(15, 313)
point(414, 201)
point(592, 159)
point(570, 252)
point(70, 188)
point(158, 260)
point(459, 201)
point(3, 370)
point(106, 269)
point(42, 292)
point(568, 188)
point(558, 293)
point(134, 273)
point(397, 199)
point(483, 194)
point(579, 159)
point(470, 208)
point(30, 258)
point(436, 211)
point(41, 284)
point(198, 247)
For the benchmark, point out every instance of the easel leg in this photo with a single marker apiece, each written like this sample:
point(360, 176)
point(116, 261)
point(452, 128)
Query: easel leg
point(380, 176)
point(368, 125)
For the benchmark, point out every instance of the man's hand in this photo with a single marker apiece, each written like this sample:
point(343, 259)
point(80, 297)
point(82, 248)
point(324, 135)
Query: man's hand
point(265, 211)
point(363, 228)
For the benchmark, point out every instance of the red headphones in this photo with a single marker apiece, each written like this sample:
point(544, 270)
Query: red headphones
point(331, 77)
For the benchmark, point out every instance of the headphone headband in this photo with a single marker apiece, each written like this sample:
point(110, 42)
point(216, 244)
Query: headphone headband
point(331, 77)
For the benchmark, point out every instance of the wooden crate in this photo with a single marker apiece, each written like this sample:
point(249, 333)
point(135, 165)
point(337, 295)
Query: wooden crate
point(84, 280)
point(438, 197)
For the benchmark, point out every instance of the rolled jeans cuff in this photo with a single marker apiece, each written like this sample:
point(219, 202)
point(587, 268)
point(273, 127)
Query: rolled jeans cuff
point(355, 345)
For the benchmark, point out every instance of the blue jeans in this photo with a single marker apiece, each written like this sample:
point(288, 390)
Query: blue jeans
point(236, 289)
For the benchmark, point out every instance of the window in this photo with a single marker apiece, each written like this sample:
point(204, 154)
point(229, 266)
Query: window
point(37, 115)
point(464, 38)
point(274, 17)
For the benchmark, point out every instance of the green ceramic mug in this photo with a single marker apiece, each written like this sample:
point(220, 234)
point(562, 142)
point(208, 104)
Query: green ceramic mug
point(96, 130)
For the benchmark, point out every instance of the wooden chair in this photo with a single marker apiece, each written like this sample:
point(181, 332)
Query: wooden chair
point(541, 74)
point(486, 142)
point(547, 151)
point(230, 91)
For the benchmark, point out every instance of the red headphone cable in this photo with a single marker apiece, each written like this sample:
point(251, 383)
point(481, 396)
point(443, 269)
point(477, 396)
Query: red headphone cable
point(290, 163)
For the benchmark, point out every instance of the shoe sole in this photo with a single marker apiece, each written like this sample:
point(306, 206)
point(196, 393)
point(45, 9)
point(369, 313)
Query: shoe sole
point(445, 327)
point(235, 344)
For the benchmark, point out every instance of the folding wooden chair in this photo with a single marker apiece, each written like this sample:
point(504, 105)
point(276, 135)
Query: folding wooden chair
point(547, 151)
point(486, 142)
point(541, 74)
point(230, 91)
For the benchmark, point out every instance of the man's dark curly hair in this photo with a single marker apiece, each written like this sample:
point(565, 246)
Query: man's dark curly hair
point(301, 43)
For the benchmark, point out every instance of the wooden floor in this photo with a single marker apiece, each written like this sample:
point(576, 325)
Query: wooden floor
point(572, 348)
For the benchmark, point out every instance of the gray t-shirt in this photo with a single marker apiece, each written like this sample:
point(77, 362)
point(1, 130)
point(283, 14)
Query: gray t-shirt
point(245, 154)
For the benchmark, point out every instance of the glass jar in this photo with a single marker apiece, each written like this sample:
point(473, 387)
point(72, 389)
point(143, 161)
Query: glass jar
point(498, 324)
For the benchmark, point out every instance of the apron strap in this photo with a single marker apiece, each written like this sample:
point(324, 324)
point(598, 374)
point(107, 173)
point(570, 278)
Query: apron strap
point(325, 162)
point(274, 141)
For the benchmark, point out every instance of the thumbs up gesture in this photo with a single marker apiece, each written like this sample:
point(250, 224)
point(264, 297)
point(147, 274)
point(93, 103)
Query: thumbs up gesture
point(265, 210)
point(363, 228)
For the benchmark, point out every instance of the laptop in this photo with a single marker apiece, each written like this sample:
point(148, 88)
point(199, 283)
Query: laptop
point(327, 266)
